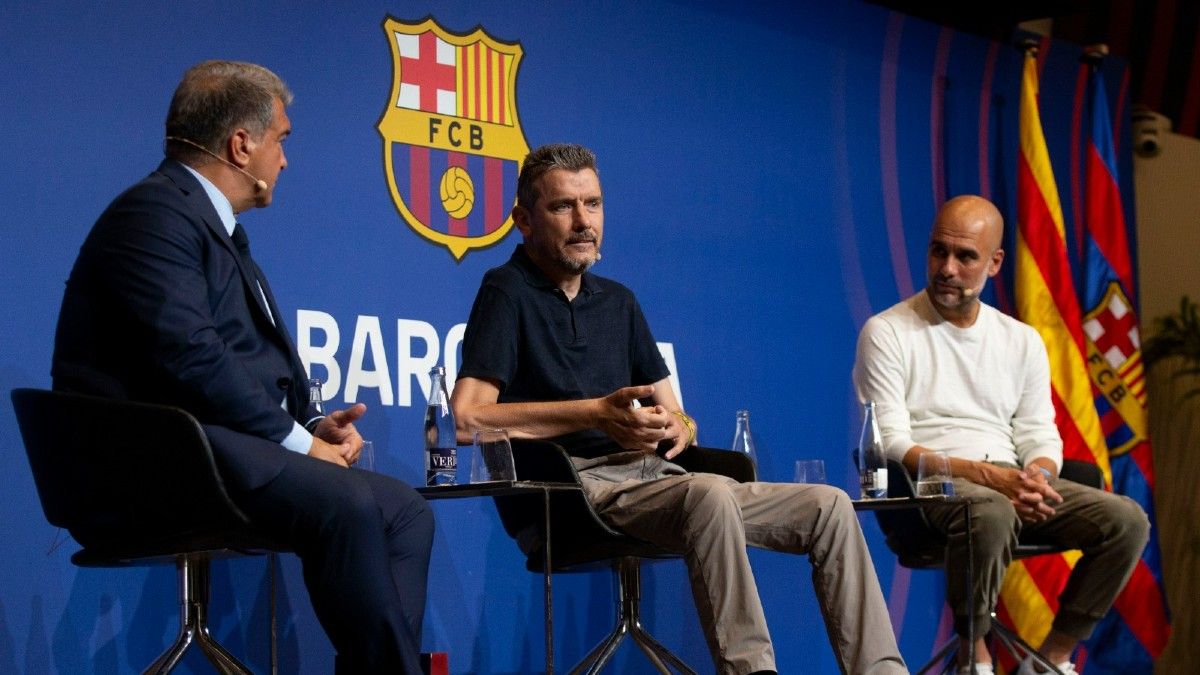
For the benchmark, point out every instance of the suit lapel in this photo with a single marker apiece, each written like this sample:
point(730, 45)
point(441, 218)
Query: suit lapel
point(197, 199)
point(298, 390)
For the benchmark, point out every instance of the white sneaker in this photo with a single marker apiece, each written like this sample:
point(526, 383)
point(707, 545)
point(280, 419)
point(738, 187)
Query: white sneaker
point(980, 669)
point(1027, 668)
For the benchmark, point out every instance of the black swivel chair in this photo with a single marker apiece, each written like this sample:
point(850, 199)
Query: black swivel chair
point(135, 484)
point(583, 542)
point(918, 546)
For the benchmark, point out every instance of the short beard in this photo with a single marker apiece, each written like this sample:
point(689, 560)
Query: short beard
point(573, 266)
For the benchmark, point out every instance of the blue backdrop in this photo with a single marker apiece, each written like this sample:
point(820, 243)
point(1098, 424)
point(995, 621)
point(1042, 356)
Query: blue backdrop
point(769, 171)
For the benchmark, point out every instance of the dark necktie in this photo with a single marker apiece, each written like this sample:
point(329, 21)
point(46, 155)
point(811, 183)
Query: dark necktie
point(242, 244)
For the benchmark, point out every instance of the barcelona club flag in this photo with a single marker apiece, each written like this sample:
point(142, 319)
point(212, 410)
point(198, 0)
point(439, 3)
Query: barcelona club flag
point(1136, 631)
point(1091, 336)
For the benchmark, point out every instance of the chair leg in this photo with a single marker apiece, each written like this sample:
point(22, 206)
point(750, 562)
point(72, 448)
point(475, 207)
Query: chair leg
point(1008, 639)
point(193, 622)
point(1016, 646)
point(599, 656)
point(629, 623)
point(631, 579)
point(944, 657)
point(596, 659)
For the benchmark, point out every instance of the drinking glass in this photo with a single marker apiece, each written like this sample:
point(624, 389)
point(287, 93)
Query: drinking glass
point(491, 457)
point(366, 457)
point(810, 471)
point(933, 474)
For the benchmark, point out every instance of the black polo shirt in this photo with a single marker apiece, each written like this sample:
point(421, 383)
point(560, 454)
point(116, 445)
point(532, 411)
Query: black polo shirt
point(525, 336)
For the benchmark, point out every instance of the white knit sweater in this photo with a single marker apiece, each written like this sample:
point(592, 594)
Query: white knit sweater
point(979, 393)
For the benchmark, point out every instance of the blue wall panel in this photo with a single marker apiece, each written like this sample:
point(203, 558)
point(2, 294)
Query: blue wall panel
point(770, 172)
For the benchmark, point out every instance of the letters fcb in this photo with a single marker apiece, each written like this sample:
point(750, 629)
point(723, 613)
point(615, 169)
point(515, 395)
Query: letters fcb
point(452, 140)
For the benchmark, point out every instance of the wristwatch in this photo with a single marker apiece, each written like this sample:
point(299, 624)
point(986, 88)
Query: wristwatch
point(1045, 472)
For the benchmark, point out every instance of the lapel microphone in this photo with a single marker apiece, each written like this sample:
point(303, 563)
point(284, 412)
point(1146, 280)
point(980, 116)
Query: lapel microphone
point(260, 185)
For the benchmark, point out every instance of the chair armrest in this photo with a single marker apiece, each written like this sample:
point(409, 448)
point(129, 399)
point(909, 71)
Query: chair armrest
point(543, 461)
point(1084, 473)
point(735, 465)
point(575, 524)
point(900, 483)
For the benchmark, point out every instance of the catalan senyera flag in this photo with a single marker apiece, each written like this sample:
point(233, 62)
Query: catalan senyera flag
point(1135, 632)
point(1046, 299)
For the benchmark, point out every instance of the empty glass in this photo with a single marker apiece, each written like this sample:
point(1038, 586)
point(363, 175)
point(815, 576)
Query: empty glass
point(933, 474)
point(366, 458)
point(810, 471)
point(491, 457)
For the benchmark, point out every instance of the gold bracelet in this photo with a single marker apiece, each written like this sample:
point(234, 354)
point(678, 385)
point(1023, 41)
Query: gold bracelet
point(688, 422)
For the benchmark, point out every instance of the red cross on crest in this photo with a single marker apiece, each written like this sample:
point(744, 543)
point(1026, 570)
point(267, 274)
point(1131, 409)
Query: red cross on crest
point(427, 73)
point(1112, 327)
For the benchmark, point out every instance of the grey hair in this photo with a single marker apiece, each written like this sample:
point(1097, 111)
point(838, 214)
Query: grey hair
point(217, 97)
point(568, 156)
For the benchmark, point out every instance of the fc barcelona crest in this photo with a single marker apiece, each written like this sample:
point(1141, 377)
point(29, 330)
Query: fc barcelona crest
point(452, 141)
point(1115, 364)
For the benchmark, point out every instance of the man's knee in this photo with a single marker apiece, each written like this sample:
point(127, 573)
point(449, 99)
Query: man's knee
point(1131, 524)
point(348, 500)
point(709, 497)
point(835, 502)
point(420, 525)
point(836, 509)
point(996, 517)
point(995, 524)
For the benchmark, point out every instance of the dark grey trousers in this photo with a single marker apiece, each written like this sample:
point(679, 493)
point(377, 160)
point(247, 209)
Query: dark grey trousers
point(1111, 530)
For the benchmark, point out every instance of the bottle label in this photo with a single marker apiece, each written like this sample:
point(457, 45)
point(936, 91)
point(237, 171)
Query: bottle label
point(874, 483)
point(441, 466)
point(443, 458)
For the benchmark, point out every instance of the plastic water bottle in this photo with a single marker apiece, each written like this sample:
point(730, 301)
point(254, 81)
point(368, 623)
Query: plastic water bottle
point(743, 442)
point(872, 464)
point(441, 446)
point(315, 397)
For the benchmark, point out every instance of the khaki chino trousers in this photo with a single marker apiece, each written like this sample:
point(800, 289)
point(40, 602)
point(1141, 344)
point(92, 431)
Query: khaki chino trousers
point(710, 519)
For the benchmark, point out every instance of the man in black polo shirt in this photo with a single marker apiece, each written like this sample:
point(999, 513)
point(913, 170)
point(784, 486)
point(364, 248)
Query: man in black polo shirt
point(553, 351)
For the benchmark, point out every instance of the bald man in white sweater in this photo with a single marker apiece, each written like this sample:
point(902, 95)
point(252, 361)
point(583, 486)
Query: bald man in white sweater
point(951, 374)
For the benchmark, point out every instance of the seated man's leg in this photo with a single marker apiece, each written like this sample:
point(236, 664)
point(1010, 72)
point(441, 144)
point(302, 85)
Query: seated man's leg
point(408, 533)
point(364, 540)
point(698, 516)
point(820, 521)
point(1112, 531)
point(994, 527)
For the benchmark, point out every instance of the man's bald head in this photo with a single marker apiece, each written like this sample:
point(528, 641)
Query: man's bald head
point(975, 213)
point(964, 252)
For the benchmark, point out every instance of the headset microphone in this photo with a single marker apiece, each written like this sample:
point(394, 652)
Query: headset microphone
point(260, 185)
point(968, 292)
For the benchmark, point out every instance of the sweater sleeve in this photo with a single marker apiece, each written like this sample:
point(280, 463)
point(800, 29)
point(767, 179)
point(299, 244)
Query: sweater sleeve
point(1034, 431)
point(879, 376)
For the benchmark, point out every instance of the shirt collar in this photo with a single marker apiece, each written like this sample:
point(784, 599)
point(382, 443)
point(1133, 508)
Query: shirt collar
point(534, 276)
point(219, 201)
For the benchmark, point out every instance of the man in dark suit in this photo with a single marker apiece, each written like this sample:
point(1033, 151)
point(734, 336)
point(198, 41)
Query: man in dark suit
point(165, 304)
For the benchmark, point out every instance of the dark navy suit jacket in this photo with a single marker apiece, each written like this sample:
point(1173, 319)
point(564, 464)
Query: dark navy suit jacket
point(160, 307)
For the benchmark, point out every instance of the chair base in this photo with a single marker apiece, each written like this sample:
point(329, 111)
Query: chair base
point(1008, 639)
point(629, 624)
point(193, 622)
